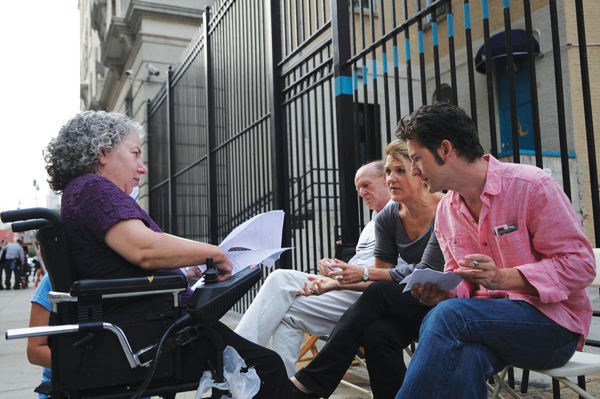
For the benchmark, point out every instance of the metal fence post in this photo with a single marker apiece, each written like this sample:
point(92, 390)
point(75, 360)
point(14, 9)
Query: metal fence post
point(213, 225)
point(489, 74)
point(560, 100)
point(279, 143)
point(589, 119)
point(340, 23)
point(148, 145)
point(512, 93)
point(172, 153)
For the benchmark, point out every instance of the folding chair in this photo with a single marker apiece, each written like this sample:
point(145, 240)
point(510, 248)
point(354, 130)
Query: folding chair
point(595, 284)
point(589, 342)
point(578, 366)
point(343, 252)
point(309, 345)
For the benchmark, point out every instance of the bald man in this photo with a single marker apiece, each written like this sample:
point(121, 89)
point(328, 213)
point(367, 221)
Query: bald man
point(279, 316)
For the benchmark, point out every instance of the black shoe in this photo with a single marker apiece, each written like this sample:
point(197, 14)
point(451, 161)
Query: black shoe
point(16, 288)
point(8, 288)
point(1, 287)
point(298, 394)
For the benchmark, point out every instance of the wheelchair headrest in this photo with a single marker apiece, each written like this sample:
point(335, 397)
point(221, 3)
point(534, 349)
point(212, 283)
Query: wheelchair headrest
point(53, 241)
point(52, 236)
point(55, 252)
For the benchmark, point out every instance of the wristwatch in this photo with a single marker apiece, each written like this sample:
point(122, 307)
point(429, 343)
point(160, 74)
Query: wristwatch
point(366, 275)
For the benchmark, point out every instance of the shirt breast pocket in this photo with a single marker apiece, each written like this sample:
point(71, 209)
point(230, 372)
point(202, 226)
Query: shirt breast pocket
point(514, 249)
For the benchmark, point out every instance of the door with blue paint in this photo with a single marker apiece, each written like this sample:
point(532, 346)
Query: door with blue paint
point(523, 95)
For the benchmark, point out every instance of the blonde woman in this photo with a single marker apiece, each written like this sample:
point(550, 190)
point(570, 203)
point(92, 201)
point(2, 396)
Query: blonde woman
point(383, 320)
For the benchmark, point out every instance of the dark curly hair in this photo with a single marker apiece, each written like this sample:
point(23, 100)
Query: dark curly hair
point(80, 142)
point(432, 124)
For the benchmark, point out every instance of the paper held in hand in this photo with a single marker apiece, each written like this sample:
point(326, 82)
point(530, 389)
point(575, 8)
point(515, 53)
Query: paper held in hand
point(443, 281)
point(257, 240)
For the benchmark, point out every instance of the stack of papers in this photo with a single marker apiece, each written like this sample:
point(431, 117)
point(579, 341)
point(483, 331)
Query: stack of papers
point(443, 281)
point(257, 240)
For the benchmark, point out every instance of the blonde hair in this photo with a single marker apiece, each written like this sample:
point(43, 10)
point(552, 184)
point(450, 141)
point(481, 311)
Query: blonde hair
point(398, 150)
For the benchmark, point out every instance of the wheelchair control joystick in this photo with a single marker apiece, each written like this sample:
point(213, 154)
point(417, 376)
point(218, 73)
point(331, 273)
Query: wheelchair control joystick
point(211, 274)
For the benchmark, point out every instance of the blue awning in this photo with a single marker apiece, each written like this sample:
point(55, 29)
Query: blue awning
point(498, 45)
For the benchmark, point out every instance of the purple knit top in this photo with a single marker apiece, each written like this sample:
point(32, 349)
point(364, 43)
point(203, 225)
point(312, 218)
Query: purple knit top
point(91, 204)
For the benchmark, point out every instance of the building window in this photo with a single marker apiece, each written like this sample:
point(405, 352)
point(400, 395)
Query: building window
point(440, 12)
point(365, 4)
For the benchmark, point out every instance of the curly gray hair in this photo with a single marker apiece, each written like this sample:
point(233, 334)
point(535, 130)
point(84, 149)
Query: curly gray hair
point(80, 143)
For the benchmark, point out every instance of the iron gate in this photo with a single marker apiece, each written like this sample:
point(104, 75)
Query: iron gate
point(275, 104)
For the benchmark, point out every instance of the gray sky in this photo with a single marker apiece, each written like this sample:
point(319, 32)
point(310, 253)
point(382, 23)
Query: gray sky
point(39, 75)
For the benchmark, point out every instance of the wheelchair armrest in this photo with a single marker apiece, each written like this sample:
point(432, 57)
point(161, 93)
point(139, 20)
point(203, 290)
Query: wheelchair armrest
point(44, 331)
point(83, 288)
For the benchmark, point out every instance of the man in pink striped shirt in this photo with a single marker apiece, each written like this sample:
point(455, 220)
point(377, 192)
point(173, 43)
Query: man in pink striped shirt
point(511, 233)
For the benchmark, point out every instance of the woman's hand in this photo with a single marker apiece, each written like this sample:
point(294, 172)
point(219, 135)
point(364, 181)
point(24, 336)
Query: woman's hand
point(348, 274)
point(319, 286)
point(223, 265)
point(223, 268)
point(324, 266)
point(429, 295)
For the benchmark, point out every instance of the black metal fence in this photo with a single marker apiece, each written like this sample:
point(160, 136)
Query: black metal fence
point(275, 104)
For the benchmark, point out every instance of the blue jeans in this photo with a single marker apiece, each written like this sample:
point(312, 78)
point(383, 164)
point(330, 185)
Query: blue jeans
point(464, 341)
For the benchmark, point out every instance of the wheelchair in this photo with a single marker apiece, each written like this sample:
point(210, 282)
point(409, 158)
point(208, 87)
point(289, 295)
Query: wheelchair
point(92, 358)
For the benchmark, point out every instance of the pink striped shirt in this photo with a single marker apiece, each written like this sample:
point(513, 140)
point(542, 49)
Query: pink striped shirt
point(548, 247)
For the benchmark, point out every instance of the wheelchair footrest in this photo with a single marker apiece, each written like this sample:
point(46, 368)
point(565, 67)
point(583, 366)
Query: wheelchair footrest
point(44, 388)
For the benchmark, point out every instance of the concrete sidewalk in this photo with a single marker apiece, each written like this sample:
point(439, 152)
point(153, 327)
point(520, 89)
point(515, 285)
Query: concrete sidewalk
point(18, 378)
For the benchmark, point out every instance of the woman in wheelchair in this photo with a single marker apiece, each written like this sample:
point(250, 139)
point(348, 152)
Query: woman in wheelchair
point(95, 161)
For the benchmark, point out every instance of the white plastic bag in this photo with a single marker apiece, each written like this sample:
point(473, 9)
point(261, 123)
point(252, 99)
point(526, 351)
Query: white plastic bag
point(240, 385)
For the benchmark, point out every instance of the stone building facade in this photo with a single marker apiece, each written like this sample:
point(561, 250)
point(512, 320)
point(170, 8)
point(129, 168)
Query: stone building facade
point(126, 49)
